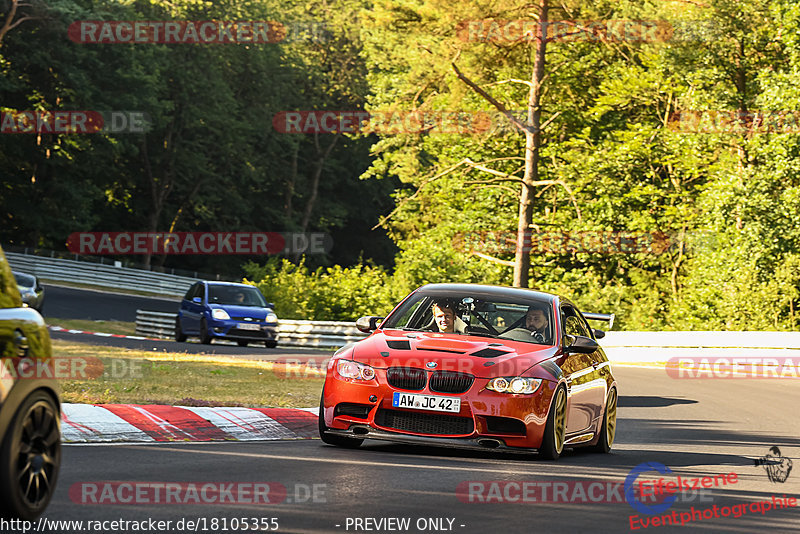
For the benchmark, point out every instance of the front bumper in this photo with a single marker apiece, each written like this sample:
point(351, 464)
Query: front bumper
point(230, 329)
point(486, 420)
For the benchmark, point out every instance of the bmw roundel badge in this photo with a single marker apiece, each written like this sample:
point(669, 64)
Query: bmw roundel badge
point(431, 365)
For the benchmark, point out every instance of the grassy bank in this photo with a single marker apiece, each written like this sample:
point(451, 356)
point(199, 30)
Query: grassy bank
point(142, 377)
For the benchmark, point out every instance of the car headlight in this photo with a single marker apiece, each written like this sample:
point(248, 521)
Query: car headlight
point(516, 385)
point(218, 313)
point(272, 318)
point(354, 370)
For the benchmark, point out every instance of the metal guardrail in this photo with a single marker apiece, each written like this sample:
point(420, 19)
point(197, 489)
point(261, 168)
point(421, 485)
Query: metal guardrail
point(316, 334)
point(619, 346)
point(155, 324)
point(62, 270)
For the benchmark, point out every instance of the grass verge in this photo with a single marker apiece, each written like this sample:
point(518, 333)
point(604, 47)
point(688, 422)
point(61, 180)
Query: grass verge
point(142, 377)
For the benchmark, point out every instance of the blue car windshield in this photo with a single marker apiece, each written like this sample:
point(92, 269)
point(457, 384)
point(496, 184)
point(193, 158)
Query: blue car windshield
point(236, 296)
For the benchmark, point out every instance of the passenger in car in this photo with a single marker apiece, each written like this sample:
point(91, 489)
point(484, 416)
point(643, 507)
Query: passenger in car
point(445, 319)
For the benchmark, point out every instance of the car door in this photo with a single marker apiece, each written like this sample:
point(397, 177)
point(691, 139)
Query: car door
point(586, 386)
point(191, 311)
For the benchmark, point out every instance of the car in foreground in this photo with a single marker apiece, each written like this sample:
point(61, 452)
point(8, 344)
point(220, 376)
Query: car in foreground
point(30, 289)
point(520, 371)
point(227, 310)
point(30, 409)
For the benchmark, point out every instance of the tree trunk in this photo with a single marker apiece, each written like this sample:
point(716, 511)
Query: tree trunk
point(533, 142)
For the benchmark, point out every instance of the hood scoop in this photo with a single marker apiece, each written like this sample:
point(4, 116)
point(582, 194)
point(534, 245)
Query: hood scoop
point(489, 353)
point(442, 350)
point(398, 344)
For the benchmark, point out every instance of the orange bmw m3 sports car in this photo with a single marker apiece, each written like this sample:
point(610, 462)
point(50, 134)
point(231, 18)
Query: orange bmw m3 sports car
point(474, 367)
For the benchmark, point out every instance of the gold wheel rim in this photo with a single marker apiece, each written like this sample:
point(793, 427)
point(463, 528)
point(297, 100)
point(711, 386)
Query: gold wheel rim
point(560, 416)
point(611, 417)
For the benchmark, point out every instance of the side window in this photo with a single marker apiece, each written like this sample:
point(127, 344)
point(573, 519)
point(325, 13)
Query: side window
point(190, 294)
point(573, 325)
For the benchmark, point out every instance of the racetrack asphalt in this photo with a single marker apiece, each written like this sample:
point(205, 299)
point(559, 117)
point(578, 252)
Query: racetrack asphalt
point(695, 427)
point(77, 303)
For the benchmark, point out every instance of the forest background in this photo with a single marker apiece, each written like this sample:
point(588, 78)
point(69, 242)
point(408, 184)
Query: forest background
point(715, 202)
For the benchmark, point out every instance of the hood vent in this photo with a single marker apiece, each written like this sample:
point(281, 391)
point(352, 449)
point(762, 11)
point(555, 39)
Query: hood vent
point(443, 350)
point(398, 344)
point(489, 353)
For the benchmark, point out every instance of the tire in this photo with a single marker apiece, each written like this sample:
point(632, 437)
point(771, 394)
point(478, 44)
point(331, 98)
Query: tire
point(555, 429)
point(242, 343)
point(30, 458)
point(608, 430)
point(271, 344)
point(205, 339)
point(179, 335)
point(338, 441)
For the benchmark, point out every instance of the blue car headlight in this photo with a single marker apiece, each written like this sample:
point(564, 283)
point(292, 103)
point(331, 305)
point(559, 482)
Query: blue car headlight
point(272, 318)
point(220, 314)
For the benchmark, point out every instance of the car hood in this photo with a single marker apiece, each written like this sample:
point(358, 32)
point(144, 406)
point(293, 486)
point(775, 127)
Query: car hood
point(479, 356)
point(244, 311)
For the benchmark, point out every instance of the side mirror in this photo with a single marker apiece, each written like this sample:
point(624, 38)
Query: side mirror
point(197, 300)
point(368, 323)
point(580, 344)
point(271, 305)
point(599, 334)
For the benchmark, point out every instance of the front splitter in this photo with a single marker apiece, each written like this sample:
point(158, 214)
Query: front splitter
point(367, 432)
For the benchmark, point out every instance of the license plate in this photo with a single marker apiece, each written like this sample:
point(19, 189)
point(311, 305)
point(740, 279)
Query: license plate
point(426, 402)
point(249, 326)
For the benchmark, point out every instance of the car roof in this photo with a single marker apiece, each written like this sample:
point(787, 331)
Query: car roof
point(24, 276)
point(231, 284)
point(490, 291)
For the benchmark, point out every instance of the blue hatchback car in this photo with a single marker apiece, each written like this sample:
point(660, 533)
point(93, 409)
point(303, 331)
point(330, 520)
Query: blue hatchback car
point(225, 310)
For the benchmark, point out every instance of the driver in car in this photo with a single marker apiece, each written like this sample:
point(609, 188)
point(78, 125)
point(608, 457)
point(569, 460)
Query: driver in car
point(536, 321)
point(535, 326)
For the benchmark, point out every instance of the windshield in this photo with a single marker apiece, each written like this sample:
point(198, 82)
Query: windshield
point(530, 320)
point(236, 295)
point(24, 280)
